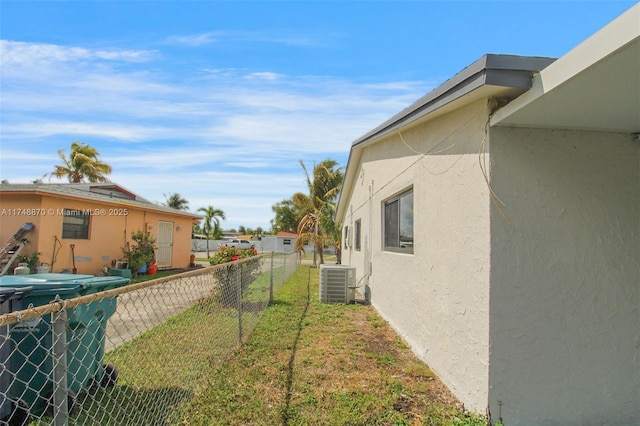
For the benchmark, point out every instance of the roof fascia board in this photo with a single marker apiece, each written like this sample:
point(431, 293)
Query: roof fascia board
point(496, 70)
point(417, 113)
point(519, 79)
point(140, 205)
point(614, 36)
point(349, 177)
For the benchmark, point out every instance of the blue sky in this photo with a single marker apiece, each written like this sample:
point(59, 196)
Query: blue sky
point(219, 100)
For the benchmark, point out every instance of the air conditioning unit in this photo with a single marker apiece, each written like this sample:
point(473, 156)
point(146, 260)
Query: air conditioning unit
point(337, 283)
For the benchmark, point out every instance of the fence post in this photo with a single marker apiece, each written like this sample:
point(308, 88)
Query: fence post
point(239, 297)
point(271, 281)
point(284, 268)
point(60, 405)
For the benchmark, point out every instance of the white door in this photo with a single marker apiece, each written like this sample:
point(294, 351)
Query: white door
point(165, 244)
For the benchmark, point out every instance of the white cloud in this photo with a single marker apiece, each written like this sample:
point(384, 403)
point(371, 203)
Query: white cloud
point(249, 164)
point(195, 39)
point(167, 159)
point(269, 76)
point(261, 37)
point(228, 137)
point(17, 52)
point(296, 132)
point(93, 129)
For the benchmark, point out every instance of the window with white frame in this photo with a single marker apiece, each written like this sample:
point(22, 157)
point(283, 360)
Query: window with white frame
point(397, 222)
point(357, 226)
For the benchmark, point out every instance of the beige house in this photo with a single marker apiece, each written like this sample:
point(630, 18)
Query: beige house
point(97, 219)
point(496, 222)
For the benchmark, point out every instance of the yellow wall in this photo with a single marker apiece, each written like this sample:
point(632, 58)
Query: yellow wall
point(110, 228)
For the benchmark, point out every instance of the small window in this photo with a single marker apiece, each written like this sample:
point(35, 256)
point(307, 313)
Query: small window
point(357, 232)
point(286, 242)
point(398, 223)
point(75, 224)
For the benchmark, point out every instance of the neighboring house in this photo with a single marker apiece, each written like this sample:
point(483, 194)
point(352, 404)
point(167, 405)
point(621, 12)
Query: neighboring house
point(282, 242)
point(285, 242)
point(497, 222)
point(97, 219)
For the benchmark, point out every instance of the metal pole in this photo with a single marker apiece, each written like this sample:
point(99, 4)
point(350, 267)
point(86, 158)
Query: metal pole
point(271, 280)
point(60, 407)
point(284, 268)
point(239, 297)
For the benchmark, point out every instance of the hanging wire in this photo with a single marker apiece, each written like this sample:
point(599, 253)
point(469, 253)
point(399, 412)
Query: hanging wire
point(493, 105)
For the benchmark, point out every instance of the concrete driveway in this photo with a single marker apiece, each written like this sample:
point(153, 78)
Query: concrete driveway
point(140, 310)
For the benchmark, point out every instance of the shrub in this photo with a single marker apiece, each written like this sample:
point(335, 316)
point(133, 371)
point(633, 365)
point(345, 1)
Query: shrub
point(227, 275)
point(142, 253)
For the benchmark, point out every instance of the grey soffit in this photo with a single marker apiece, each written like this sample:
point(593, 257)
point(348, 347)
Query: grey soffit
point(495, 70)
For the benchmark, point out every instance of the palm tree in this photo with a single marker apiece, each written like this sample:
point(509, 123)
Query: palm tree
point(82, 164)
point(259, 232)
point(318, 205)
point(209, 228)
point(175, 201)
point(333, 229)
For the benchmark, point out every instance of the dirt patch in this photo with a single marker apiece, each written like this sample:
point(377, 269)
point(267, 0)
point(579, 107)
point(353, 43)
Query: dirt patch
point(403, 404)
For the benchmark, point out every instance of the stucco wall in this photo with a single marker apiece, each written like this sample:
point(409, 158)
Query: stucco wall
point(12, 217)
point(108, 232)
point(437, 297)
point(565, 292)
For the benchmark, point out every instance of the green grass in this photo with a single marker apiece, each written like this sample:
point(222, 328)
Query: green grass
point(159, 274)
point(308, 363)
point(159, 370)
point(328, 258)
point(305, 363)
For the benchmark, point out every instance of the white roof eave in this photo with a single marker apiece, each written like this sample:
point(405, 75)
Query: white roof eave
point(595, 86)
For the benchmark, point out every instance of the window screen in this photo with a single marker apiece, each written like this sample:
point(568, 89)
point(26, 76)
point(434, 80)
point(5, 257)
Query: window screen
point(75, 224)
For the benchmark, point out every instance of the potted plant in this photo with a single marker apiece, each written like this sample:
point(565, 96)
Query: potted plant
point(142, 253)
point(32, 260)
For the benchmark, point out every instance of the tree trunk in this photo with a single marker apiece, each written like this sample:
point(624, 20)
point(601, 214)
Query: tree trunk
point(319, 248)
point(318, 242)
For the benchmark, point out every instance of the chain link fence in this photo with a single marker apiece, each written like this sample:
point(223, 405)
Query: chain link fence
point(132, 355)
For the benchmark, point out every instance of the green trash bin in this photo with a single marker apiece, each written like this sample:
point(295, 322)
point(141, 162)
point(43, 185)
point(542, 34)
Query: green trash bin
point(10, 300)
point(31, 362)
